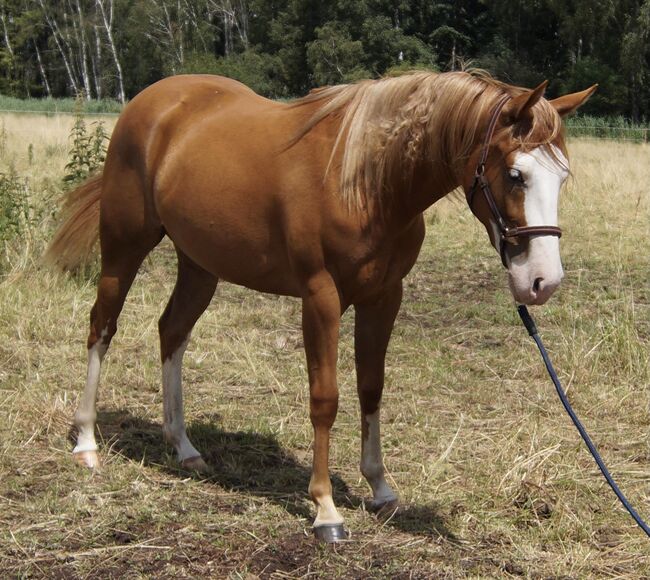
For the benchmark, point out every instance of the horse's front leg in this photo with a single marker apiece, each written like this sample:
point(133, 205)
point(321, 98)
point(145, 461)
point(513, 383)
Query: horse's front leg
point(373, 326)
point(321, 313)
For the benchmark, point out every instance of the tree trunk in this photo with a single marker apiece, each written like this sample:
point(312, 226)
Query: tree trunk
point(96, 63)
point(108, 27)
point(3, 17)
point(41, 68)
point(453, 54)
point(51, 22)
point(81, 40)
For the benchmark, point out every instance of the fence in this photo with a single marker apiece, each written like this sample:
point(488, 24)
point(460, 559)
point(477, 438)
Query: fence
point(610, 133)
point(51, 113)
point(633, 134)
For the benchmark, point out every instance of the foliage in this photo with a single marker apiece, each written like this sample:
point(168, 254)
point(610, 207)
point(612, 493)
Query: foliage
point(87, 149)
point(334, 57)
point(14, 206)
point(285, 47)
point(259, 71)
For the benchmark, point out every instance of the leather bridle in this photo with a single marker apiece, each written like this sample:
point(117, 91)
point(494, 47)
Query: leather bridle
point(507, 233)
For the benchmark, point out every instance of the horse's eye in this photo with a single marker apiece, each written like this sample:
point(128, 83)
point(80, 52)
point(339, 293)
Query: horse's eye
point(516, 175)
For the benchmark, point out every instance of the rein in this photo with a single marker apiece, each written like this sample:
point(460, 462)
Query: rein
point(507, 233)
point(529, 323)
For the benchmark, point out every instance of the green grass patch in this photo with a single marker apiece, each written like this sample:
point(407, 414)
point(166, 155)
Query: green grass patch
point(54, 106)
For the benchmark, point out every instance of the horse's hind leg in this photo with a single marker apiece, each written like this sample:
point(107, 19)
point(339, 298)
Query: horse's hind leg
point(120, 263)
point(192, 294)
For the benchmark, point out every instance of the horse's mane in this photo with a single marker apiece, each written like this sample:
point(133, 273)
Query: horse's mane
point(387, 125)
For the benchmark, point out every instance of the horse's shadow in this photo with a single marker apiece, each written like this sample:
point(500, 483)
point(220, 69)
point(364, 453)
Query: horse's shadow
point(249, 463)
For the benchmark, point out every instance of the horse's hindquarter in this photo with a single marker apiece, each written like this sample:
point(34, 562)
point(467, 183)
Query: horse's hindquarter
point(240, 204)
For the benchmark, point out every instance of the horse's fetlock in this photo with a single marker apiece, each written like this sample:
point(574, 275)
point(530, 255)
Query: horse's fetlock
point(83, 417)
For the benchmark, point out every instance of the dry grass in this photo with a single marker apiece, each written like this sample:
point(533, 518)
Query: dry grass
point(493, 477)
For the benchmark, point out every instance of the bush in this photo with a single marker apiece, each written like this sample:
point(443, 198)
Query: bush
point(14, 206)
point(88, 150)
point(261, 72)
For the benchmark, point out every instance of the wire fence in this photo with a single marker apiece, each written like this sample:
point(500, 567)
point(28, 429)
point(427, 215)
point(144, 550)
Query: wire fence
point(610, 133)
point(50, 113)
point(638, 134)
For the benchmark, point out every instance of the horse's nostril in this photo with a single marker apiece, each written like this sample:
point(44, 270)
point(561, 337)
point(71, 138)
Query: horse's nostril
point(537, 284)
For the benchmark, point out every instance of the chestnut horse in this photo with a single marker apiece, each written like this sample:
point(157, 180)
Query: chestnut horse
point(320, 198)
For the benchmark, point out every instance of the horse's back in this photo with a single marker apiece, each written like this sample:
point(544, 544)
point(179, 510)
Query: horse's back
point(208, 161)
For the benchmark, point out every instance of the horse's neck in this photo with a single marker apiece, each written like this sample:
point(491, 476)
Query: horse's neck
point(430, 181)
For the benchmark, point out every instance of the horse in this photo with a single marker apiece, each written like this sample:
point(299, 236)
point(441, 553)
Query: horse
point(320, 198)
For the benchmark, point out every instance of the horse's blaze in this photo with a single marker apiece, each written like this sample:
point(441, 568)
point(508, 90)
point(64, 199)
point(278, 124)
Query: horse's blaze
point(536, 273)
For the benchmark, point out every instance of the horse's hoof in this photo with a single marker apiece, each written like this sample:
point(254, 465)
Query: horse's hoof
point(87, 459)
point(195, 464)
point(331, 533)
point(383, 507)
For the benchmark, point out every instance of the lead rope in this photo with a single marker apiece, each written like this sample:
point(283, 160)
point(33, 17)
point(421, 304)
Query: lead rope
point(529, 323)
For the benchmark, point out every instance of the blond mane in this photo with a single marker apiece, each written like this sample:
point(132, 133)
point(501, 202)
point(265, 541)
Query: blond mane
point(388, 125)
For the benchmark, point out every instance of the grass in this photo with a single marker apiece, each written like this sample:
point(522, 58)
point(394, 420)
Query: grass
point(58, 105)
point(493, 478)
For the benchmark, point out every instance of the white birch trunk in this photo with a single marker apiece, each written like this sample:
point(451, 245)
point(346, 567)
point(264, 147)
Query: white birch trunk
point(41, 68)
point(108, 27)
point(96, 62)
point(3, 17)
point(81, 41)
point(57, 40)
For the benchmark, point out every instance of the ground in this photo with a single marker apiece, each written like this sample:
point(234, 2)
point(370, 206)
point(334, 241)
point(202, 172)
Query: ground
point(493, 478)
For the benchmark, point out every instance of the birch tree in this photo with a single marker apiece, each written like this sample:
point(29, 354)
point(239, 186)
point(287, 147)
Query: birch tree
point(106, 10)
point(59, 41)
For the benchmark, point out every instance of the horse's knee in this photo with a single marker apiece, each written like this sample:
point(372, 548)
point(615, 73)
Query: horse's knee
point(323, 407)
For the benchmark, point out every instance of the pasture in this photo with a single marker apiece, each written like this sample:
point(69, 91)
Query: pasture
point(493, 478)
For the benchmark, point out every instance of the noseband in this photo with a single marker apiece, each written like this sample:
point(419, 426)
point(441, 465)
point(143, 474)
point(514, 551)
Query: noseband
point(508, 234)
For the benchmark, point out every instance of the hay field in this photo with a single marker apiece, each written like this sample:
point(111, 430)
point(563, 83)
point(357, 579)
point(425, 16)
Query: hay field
point(494, 480)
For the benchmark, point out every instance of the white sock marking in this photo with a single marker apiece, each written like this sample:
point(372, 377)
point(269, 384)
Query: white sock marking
point(372, 464)
point(86, 413)
point(174, 422)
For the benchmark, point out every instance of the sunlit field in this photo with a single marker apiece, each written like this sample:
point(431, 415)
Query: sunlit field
point(493, 477)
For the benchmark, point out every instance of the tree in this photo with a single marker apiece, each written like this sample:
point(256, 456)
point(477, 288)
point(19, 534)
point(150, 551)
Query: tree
point(334, 57)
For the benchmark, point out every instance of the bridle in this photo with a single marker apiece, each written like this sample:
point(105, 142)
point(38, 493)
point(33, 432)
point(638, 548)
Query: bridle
point(507, 234)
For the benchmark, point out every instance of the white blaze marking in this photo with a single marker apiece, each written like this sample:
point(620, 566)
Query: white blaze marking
point(372, 464)
point(86, 411)
point(543, 175)
point(174, 422)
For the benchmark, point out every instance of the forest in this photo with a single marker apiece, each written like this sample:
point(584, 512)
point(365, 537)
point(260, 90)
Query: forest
point(282, 48)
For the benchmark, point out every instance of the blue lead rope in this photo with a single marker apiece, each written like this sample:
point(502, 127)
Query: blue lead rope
point(529, 323)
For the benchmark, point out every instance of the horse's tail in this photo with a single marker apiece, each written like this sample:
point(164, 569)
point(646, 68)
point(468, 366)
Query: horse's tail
point(77, 235)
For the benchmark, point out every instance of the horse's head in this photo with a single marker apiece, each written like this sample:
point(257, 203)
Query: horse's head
point(513, 181)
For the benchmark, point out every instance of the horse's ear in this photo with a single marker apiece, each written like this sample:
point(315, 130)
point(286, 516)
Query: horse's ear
point(519, 107)
point(569, 103)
